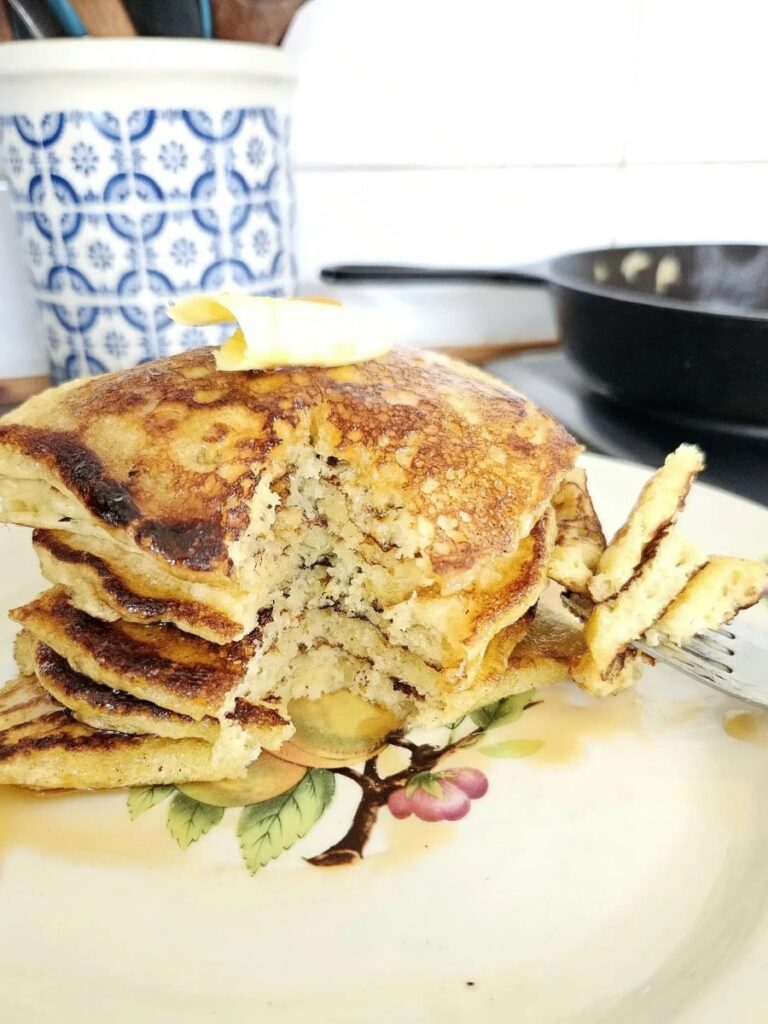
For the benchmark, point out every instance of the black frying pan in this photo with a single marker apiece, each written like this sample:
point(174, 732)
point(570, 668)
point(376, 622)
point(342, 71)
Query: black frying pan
point(672, 329)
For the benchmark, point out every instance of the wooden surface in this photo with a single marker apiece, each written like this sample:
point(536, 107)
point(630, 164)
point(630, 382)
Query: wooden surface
point(480, 354)
point(104, 17)
point(17, 389)
point(6, 35)
point(253, 21)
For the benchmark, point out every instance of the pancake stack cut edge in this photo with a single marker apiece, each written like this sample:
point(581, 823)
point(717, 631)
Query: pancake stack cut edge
point(220, 545)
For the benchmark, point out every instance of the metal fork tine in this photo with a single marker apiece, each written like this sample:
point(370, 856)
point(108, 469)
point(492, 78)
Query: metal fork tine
point(742, 674)
point(704, 647)
point(721, 631)
point(705, 662)
point(678, 658)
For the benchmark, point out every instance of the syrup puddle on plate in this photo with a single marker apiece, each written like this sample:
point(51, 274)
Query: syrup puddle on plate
point(82, 827)
point(748, 726)
point(566, 727)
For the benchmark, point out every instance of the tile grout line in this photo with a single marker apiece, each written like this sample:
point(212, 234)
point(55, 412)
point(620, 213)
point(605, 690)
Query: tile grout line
point(449, 168)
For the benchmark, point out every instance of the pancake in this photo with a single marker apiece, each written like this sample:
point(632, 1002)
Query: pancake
point(301, 652)
point(657, 508)
point(623, 672)
point(96, 586)
point(159, 664)
point(43, 746)
point(550, 646)
point(22, 701)
point(549, 650)
point(614, 624)
point(105, 708)
point(713, 596)
point(580, 539)
point(204, 495)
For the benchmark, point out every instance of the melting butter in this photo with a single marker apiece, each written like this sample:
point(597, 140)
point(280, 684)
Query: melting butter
point(272, 332)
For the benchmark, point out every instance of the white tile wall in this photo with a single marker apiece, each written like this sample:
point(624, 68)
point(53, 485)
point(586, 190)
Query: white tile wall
point(462, 82)
point(494, 132)
point(482, 217)
point(701, 82)
point(718, 202)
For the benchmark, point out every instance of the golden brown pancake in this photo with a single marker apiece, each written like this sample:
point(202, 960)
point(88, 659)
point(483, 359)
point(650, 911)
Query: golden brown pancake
point(580, 538)
point(105, 708)
point(657, 508)
point(713, 596)
point(211, 492)
point(43, 746)
point(159, 664)
point(614, 624)
point(315, 652)
point(96, 586)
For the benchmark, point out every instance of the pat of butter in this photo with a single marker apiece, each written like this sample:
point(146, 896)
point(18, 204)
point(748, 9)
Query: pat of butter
point(286, 332)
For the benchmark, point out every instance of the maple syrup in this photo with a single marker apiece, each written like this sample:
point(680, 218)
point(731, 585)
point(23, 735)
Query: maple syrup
point(566, 727)
point(83, 827)
point(748, 726)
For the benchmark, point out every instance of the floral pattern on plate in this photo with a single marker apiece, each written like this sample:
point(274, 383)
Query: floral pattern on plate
point(267, 829)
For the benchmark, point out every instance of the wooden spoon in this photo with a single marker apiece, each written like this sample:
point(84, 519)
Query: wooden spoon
point(254, 21)
point(104, 17)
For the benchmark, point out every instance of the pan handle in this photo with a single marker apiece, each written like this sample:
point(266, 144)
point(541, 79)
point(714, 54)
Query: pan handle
point(535, 274)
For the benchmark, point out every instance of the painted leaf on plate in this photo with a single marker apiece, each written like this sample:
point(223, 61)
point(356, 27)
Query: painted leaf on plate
point(503, 711)
point(143, 798)
point(188, 819)
point(512, 748)
point(267, 829)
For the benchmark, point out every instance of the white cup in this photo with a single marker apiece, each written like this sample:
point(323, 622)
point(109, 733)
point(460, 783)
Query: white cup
point(141, 170)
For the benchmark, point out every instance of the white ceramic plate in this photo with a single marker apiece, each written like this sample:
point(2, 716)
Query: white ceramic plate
point(619, 876)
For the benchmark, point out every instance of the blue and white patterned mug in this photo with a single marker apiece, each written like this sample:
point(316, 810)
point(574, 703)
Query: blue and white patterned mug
point(141, 170)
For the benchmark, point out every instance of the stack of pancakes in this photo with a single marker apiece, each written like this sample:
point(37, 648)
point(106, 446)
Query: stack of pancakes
point(222, 544)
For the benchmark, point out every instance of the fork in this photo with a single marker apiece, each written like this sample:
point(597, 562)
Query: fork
point(732, 659)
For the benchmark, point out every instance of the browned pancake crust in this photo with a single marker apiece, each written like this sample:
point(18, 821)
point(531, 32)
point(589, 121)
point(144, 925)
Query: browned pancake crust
point(172, 451)
point(125, 598)
point(182, 672)
point(42, 745)
point(67, 686)
point(61, 730)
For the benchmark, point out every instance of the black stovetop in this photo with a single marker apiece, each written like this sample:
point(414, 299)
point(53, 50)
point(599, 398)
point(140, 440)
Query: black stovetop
point(737, 458)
